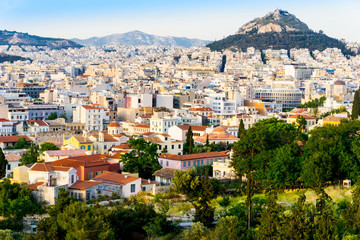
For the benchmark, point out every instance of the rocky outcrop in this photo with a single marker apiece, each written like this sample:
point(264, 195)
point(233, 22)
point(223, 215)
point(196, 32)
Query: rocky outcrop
point(277, 21)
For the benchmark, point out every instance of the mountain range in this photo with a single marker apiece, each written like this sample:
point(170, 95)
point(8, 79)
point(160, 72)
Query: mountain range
point(136, 38)
point(278, 30)
point(25, 39)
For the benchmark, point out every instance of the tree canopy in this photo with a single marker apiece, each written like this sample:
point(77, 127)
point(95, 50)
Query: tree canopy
point(143, 159)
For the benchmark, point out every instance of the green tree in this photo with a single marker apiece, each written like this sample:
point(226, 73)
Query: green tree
point(8, 234)
point(46, 146)
point(325, 220)
point(143, 159)
point(189, 144)
point(22, 143)
point(355, 112)
point(30, 156)
point(228, 228)
point(197, 232)
point(296, 224)
point(241, 128)
point(82, 222)
point(252, 153)
point(199, 191)
point(52, 116)
point(63, 115)
point(301, 123)
point(207, 141)
point(332, 154)
point(270, 220)
point(3, 164)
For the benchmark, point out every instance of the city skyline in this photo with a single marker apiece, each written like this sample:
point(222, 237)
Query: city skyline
point(207, 20)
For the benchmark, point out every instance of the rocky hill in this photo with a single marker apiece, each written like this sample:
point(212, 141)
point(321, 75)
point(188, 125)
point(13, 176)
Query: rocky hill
point(22, 39)
point(136, 38)
point(277, 21)
point(278, 30)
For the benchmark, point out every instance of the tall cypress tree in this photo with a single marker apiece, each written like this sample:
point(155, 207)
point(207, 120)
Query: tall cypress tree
point(3, 164)
point(207, 141)
point(241, 128)
point(190, 140)
point(356, 106)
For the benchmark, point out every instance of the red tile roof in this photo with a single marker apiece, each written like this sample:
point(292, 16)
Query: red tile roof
point(4, 120)
point(84, 184)
point(90, 107)
point(13, 139)
point(47, 167)
point(34, 186)
point(83, 161)
point(304, 115)
point(115, 178)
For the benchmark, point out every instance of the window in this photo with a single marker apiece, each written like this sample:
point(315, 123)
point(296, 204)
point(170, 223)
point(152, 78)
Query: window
point(179, 146)
point(8, 167)
point(105, 146)
point(132, 188)
point(198, 162)
point(82, 147)
point(202, 162)
point(207, 161)
point(184, 164)
point(144, 189)
point(172, 146)
point(194, 163)
point(167, 163)
point(97, 173)
point(87, 196)
point(91, 175)
point(89, 147)
point(189, 163)
point(161, 162)
point(72, 179)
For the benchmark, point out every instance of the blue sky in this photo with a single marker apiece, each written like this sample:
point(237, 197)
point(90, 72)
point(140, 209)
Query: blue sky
point(202, 19)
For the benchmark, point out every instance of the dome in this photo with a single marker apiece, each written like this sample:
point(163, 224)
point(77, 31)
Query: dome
point(114, 124)
point(339, 83)
point(219, 130)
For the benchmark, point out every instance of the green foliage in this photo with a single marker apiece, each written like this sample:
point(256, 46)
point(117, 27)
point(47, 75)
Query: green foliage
point(199, 190)
point(52, 116)
point(355, 112)
point(3, 164)
point(201, 149)
point(63, 115)
point(30, 156)
point(332, 154)
point(301, 123)
point(242, 129)
point(335, 111)
point(46, 146)
point(189, 144)
point(197, 232)
point(224, 201)
point(228, 228)
point(317, 102)
point(143, 159)
point(284, 40)
point(22, 143)
point(8, 234)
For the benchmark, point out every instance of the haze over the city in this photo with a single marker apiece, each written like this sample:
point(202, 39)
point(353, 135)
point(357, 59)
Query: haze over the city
point(209, 20)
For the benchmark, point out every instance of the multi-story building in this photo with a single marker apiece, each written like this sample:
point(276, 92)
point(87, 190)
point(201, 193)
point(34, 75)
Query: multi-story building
point(92, 115)
point(43, 111)
point(290, 98)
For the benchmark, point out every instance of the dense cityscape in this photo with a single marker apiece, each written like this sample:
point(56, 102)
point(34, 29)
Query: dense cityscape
point(144, 137)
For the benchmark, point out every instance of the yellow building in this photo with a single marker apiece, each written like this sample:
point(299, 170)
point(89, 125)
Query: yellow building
point(76, 142)
point(332, 120)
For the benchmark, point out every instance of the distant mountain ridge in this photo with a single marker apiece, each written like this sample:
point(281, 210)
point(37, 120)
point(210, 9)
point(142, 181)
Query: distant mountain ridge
point(136, 38)
point(23, 39)
point(278, 30)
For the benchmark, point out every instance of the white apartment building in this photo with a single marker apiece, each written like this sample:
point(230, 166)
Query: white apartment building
point(6, 127)
point(298, 71)
point(221, 104)
point(18, 114)
point(162, 124)
point(91, 115)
